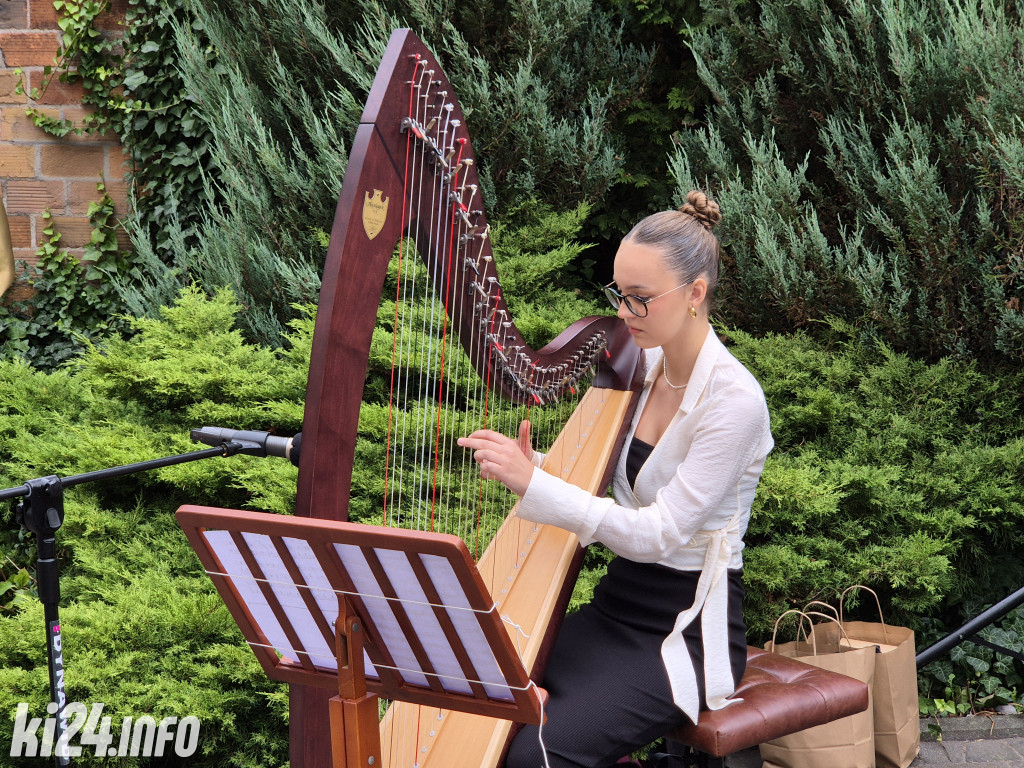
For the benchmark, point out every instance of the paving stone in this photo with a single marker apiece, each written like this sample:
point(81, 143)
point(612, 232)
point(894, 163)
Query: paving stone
point(1005, 751)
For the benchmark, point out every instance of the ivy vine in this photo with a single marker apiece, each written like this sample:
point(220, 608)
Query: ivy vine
point(129, 79)
point(74, 300)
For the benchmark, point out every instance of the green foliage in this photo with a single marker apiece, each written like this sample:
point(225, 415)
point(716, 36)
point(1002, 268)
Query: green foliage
point(130, 83)
point(868, 157)
point(84, 55)
point(887, 472)
point(145, 632)
point(15, 591)
point(540, 86)
point(74, 299)
point(973, 677)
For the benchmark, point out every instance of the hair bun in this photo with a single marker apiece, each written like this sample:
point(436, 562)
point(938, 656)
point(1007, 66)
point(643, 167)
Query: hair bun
point(702, 208)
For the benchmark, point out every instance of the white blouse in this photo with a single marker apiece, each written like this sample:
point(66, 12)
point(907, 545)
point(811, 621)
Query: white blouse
point(689, 509)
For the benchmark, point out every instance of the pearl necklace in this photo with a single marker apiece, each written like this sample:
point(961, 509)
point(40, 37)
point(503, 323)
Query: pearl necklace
point(664, 372)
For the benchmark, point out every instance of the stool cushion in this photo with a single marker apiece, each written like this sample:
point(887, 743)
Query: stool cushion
point(779, 696)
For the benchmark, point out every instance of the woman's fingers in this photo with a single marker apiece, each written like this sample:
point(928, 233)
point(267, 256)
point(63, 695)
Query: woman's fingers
point(500, 458)
point(524, 440)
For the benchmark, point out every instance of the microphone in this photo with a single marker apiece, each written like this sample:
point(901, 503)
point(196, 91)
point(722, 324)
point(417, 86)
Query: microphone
point(253, 443)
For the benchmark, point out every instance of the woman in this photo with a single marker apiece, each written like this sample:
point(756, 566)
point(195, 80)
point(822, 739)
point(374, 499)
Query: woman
point(664, 635)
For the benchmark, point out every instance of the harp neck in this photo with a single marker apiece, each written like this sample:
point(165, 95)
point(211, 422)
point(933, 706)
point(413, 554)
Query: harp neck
point(412, 174)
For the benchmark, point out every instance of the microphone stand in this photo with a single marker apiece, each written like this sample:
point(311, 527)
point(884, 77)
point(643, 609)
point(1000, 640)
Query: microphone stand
point(41, 512)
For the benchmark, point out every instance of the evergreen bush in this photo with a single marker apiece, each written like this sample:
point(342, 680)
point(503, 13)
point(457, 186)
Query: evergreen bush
point(887, 471)
point(280, 86)
point(870, 157)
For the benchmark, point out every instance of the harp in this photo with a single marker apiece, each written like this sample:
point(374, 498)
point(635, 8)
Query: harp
point(411, 200)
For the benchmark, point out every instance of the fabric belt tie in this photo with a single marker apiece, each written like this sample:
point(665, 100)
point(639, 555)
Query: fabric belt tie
point(712, 594)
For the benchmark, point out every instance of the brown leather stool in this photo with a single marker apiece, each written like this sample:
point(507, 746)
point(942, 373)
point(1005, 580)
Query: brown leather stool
point(779, 696)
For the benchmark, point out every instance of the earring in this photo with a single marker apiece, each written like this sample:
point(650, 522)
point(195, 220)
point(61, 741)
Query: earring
point(693, 312)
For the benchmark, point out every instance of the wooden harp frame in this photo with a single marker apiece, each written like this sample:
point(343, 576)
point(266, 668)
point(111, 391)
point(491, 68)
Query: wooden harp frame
point(370, 220)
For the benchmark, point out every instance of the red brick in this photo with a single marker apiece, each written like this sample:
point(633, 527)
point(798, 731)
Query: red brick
point(68, 162)
point(124, 242)
point(56, 92)
point(8, 82)
point(118, 191)
point(113, 19)
point(78, 113)
point(35, 196)
point(17, 161)
point(76, 231)
point(18, 292)
point(29, 49)
point(13, 14)
point(82, 193)
point(26, 254)
point(21, 231)
point(15, 125)
point(42, 14)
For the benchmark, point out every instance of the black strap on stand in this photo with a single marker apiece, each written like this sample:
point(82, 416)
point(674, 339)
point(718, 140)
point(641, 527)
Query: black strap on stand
point(41, 513)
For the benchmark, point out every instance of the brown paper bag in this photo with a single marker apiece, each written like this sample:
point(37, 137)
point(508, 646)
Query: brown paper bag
point(894, 692)
point(845, 743)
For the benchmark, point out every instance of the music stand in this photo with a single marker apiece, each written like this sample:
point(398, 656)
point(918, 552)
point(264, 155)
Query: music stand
point(373, 611)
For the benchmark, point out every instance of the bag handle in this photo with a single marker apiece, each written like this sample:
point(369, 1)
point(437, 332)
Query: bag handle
point(881, 618)
point(806, 615)
point(803, 617)
point(825, 605)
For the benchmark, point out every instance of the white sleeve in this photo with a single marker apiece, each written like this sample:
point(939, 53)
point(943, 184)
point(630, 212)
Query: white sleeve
point(730, 437)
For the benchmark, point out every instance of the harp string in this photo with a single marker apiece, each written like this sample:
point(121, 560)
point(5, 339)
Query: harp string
point(431, 386)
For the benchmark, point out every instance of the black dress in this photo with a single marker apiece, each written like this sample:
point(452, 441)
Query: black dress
point(608, 691)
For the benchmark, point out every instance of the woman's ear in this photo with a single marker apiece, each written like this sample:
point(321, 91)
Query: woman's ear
point(698, 292)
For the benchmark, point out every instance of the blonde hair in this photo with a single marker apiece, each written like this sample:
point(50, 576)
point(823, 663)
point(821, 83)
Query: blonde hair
point(685, 238)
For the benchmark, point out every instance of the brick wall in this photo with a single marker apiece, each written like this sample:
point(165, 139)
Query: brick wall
point(37, 170)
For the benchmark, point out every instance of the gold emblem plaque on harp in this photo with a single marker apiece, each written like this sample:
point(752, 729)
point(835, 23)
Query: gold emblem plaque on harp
point(415, 345)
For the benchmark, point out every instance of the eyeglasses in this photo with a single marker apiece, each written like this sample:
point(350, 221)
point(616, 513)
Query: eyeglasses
point(635, 304)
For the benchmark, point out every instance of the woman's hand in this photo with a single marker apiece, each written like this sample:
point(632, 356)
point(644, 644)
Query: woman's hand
point(502, 458)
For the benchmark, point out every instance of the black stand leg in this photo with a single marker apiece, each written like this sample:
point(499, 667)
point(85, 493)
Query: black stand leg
point(42, 513)
point(676, 755)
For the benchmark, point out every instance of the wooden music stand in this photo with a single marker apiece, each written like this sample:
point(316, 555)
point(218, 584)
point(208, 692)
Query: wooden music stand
point(377, 612)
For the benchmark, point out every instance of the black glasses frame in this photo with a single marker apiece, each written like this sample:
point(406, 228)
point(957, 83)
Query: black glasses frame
point(615, 298)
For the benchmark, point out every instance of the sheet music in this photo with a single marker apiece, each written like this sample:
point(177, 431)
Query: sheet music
point(287, 594)
point(408, 589)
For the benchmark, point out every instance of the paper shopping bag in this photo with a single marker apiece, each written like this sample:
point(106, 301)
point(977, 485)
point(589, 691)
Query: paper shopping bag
point(894, 691)
point(844, 743)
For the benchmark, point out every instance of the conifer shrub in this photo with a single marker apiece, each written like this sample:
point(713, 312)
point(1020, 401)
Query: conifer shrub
point(279, 88)
point(887, 471)
point(870, 157)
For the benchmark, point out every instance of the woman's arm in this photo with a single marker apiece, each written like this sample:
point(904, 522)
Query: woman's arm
point(725, 444)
